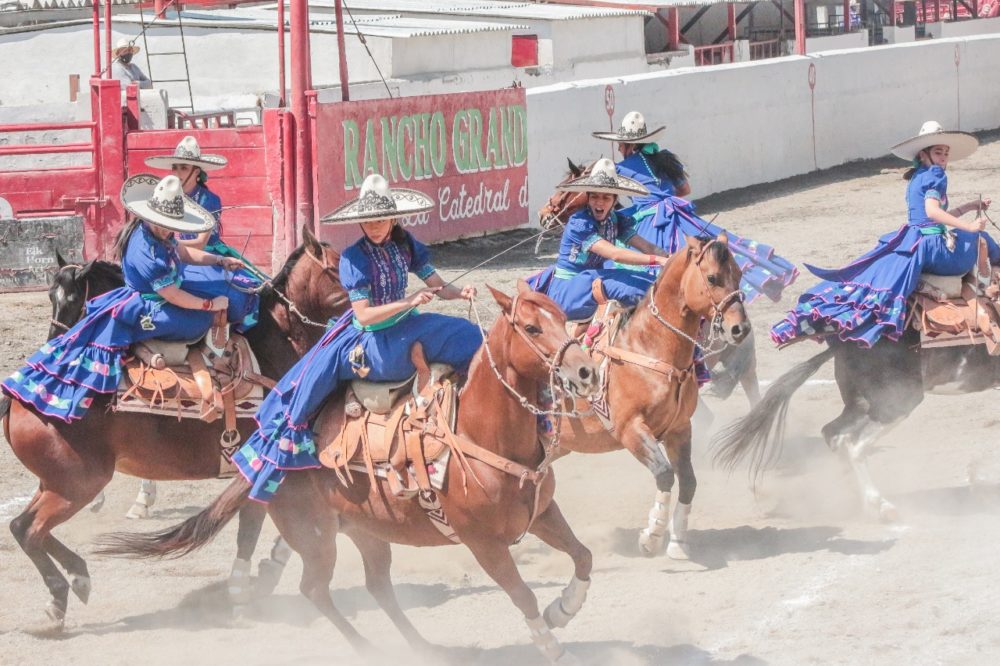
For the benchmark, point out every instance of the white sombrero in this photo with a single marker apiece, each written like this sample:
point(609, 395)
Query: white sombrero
point(604, 179)
point(162, 202)
point(633, 130)
point(124, 44)
point(188, 152)
point(962, 144)
point(377, 201)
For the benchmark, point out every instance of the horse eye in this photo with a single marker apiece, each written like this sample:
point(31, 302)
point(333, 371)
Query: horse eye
point(713, 280)
point(533, 330)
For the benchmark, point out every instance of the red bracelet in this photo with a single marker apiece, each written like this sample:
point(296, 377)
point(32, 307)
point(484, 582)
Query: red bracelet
point(652, 260)
point(206, 304)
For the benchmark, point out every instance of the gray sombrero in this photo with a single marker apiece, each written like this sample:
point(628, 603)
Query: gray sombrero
point(377, 201)
point(188, 152)
point(962, 144)
point(632, 130)
point(604, 179)
point(162, 202)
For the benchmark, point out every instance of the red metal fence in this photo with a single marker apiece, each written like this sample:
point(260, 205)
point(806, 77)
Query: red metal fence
point(715, 54)
point(766, 49)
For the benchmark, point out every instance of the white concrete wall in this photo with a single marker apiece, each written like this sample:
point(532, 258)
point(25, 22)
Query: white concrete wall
point(852, 40)
point(894, 35)
point(421, 57)
point(752, 123)
point(964, 28)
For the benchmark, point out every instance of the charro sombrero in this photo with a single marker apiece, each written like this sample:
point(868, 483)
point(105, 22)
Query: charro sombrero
point(377, 201)
point(188, 152)
point(122, 45)
point(604, 179)
point(162, 202)
point(632, 130)
point(962, 144)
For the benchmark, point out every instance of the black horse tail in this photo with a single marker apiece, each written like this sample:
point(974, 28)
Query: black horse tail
point(181, 539)
point(760, 434)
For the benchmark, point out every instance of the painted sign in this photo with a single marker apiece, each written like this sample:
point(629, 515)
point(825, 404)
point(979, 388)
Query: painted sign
point(28, 250)
point(468, 151)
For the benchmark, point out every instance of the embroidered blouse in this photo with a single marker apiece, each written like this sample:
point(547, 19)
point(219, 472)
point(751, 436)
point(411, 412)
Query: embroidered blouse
point(148, 263)
point(581, 232)
point(378, 273)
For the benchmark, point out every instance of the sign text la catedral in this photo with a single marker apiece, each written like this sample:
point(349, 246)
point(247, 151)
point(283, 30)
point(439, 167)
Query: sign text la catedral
point(469, 151)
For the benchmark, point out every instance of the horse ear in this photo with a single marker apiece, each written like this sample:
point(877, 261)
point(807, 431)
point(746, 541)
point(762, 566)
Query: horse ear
point(574, 169)
point(503, 300)
point(693, 243)
point(311, 243)
point(523, 287)
point(59, 260)
point(82, 273)
point(722, 238)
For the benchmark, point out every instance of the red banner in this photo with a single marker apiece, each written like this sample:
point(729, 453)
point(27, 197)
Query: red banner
point(467, 151)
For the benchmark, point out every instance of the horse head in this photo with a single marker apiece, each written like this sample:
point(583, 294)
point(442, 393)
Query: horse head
point(710, 287)
point(561, 205)
point(308, 291)
point(538, 348)
point(73, 285)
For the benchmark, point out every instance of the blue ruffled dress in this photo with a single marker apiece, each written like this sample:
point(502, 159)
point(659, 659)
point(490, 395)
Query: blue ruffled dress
point(241, 287)
point(664, 220)
point(568, 283)
point(376, 273)
point(60, 379)
point(866, 299)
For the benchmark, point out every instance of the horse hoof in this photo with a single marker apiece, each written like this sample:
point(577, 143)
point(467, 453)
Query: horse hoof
point(51, 627)
point(81, 587)
point(268, 576)
point(555, 616)
point(888, 513)
point(650, 544)
point(138, 512)
point(677, 550)
point(97, 503)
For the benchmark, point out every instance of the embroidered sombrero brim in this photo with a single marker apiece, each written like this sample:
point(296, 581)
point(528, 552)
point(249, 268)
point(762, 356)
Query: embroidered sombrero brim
point(118, 50)
point(136, 194)
point(629, 138)
point(961, 144)
point(400, 202)
point(621, 185)
point(205, 162)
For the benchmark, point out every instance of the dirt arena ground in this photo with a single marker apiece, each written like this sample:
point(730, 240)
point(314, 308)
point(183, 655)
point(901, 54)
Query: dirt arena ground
point(791, 574)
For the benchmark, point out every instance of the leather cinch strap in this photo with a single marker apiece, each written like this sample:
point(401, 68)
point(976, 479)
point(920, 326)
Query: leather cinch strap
point(209, 410)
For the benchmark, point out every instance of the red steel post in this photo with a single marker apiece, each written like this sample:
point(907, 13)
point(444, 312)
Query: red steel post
point(97, 37)
point(281, 53)
point(731, 21)
point(107, 39)
point(800, 27)
point(847, 16)
point(299, 19)
point(673, 29)
point(345, 91)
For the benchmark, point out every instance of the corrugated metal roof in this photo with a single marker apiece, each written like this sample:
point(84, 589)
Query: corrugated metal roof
point(485, 8)
point(382, 25)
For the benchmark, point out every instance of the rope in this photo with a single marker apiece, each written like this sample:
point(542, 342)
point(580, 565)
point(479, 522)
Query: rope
point(364, 42)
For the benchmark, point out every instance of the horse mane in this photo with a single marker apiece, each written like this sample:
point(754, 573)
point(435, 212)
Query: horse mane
point(718, 251)
point(106, 270)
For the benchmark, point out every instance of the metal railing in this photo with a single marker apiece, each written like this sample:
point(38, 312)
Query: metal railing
point(715, 54)
point(49, 148)
point(770, 48)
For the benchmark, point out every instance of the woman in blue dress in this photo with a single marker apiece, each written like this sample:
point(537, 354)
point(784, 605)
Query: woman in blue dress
point(192, 166)
point(60, 379)
point(371, 341)
point(594, 235)
point(664, 219)
point(866, 299)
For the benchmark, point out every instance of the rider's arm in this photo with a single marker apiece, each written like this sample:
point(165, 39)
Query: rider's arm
point(938, 214)
point(182, 299)
point(198, 242)
point(448, 292)
point(367, 315)
point(682, 189)
point(643, 245)
point(623, 255)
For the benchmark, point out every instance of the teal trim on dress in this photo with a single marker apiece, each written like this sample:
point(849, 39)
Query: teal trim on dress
point(382, 325)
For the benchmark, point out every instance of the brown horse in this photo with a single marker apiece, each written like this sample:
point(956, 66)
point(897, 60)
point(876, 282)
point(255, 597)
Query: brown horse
point(729, 364)
point(74, 461)
point(651, 388)
point(490, 513)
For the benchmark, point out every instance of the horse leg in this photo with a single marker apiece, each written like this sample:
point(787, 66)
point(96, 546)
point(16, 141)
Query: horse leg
point(552, 528)
point(310, 525)
point(32, 531)
point(250, 521)
point(377, 557)
point(143, 501)
point(269, 569)
point(495, 559)
point(73, 564)
point(857, 454)
point(679, 454)
point(648, 450)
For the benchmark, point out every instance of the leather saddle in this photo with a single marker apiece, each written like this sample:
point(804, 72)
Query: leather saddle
point(393, 430)
point(194, 379)
point(959, 310)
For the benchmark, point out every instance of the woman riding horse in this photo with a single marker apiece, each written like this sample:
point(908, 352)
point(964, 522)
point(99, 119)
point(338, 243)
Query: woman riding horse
point(665, 220)
point(371, 341)
point(866, 299)
point(191, 166)
point(589, 240)
point(61, 377)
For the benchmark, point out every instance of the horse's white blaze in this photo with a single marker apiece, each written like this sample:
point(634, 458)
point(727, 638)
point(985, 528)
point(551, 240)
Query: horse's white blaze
point(60, 294)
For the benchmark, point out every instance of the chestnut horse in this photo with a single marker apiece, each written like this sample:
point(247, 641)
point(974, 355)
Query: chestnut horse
point(652, 390)
point(489, 513)
point(74, 461)
point(729, 364)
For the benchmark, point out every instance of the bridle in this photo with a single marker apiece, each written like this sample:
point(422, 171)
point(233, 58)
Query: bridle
point(325, 267)
point(719, 307)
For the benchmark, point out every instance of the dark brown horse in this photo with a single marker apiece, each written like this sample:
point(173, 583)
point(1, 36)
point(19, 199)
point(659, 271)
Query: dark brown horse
point(652, 390)
point(729, 364)
point(527, 342)
point(75, 461)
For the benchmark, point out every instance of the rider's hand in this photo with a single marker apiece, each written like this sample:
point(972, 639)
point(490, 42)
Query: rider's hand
point(978, 224)
point(425, 295)
point(469, 292)
point(984, 204)
point(660, 261)
point(232, 264)
point(220, 303)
